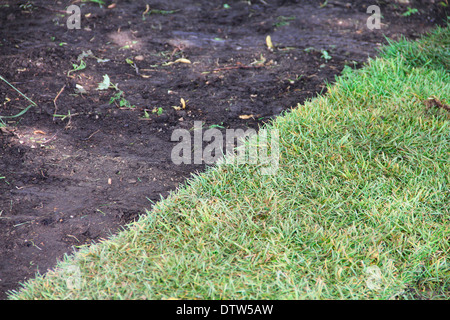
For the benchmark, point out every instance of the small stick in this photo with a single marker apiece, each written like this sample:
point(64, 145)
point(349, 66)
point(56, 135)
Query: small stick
point(91, 135)
point(54, 101)
point(52, 138)
point(239, 66)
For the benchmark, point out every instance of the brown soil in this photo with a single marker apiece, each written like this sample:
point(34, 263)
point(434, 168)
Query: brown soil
point(69, 181)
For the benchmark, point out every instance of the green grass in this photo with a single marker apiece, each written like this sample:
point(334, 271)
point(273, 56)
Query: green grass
point(2, 123)
point(431, 51)
point(362, 185)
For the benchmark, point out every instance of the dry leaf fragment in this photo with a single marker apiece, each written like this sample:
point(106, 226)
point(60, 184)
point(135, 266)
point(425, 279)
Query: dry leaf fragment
point(269, 42)
point(181, 60)
point(183, 103)
point(147, 9)
point(245, 116)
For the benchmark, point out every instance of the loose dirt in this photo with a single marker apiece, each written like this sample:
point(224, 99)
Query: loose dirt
point(77, 168)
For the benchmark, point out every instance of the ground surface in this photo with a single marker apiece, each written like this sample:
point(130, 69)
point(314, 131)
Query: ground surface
point(76, 168)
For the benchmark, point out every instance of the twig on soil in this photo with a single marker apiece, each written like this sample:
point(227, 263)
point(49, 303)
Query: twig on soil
point(91, 135)
point(63, 117)
point(54, 101)
point(51, 139)
point(238, 66)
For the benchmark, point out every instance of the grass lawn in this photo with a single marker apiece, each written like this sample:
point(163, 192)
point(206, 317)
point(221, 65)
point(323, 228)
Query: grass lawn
point(358, 209)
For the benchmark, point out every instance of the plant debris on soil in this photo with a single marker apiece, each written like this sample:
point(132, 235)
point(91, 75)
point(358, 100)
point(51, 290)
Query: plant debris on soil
point(95, 151)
